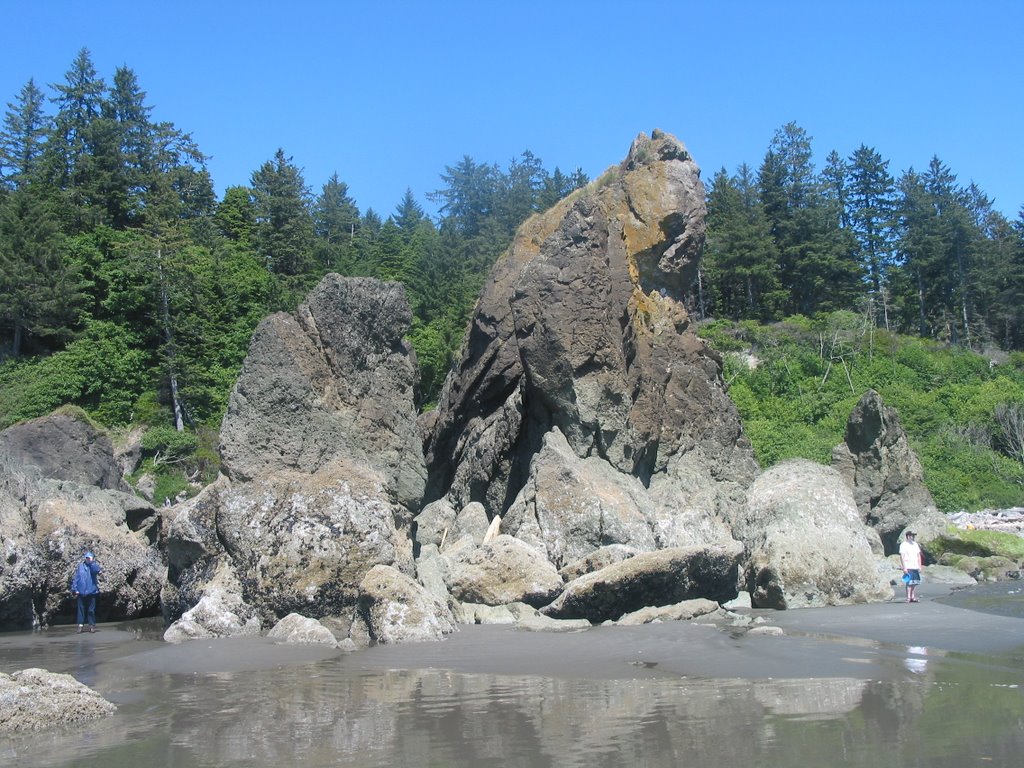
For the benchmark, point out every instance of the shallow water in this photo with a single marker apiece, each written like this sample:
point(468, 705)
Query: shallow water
point(659, 695)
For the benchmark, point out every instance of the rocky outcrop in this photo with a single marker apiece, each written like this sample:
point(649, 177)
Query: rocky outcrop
point(806, 544)
point(322, 461)
point(581, 366)
point(65, 446)
point(336, 379)
point(60, 495)
point(36, 700)
point(396, 609)
point(877, 462)
point(650, 579)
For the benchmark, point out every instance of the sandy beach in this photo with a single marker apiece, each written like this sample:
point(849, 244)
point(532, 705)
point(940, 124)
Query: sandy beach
point(882, 679)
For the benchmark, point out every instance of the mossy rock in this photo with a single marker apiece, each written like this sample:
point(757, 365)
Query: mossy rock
point(993, 568)
point(977, 544)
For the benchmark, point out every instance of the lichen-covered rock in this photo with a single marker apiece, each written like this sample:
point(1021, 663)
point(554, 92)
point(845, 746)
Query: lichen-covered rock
point(806, 543)
point(336, 379)
point(571, 506)
point(35, 700)
point(322, 460)
point(65, 446)
point(60, 495)
point(505, 570)
point(219, 612)
point(397, 609)
point(581, 328)
point(877, 462)
point(300, 630)
point(659, 578)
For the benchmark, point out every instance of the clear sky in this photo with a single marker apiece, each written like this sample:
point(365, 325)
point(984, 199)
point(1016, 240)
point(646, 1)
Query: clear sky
point(387, 94)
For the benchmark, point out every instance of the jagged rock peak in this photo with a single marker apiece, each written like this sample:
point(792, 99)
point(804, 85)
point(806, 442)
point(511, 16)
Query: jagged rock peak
point(581, 327)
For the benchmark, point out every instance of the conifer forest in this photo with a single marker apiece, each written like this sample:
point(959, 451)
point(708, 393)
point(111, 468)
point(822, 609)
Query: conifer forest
point(130, 289)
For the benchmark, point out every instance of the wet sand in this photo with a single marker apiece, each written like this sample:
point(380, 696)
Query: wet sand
point(842, 641)
point(888, 684)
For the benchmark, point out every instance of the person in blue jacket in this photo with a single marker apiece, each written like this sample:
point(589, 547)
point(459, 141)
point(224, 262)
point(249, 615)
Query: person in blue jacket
point(85, 588)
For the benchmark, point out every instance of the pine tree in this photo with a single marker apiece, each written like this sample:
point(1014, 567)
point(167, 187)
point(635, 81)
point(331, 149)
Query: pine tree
point(40, 294)
point(23, 137)
point(284, 225)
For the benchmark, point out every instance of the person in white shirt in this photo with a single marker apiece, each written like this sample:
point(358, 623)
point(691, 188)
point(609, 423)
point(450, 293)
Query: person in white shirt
point(910, 558)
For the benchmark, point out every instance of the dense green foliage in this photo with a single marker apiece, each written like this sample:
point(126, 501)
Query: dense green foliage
point(129, 290)
point(920, 254)
point(795, 383)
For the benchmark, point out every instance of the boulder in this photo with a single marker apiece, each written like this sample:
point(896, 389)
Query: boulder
point(686, 610)
point(506, 570)
point(805, 541)
point(570, 506)
point(596, 560)
point(876, 461)
point(656, 578)
point(35, 700)
point(397, 609)
point(322, 460)
point(52, 511)
point(581, 329)
point(529, 618)
point(295, 629)
point(65, 446)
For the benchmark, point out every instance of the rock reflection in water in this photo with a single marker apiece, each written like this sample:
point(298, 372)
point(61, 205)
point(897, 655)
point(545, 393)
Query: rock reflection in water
point(334, 713)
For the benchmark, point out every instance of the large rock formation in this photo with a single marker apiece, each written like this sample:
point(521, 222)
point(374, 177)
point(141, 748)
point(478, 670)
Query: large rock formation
point(806, 544)
point(322, 463)
point(877, 462)
point(61, 493)
point(581, 366)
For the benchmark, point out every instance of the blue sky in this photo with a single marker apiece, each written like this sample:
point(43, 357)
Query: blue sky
point(387, 94)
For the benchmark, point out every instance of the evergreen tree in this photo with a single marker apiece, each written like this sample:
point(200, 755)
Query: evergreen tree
point(740, 258)
point(871, 207)
point(236, 216)
point(408, 214)
point(40, 294)
point(23, 136)
point(335, 215)
point(284, 225)
point(70, 157)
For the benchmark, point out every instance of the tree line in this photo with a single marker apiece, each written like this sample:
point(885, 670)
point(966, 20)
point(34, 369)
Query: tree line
point(129, 289)
point(920, 254)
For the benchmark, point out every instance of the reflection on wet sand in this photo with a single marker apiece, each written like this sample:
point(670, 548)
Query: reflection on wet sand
point(343, 710)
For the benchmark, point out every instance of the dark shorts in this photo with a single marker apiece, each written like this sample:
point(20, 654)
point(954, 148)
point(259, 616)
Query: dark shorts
point(915, 577)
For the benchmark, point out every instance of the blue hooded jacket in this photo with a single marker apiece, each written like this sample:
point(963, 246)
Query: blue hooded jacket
point(84, 581)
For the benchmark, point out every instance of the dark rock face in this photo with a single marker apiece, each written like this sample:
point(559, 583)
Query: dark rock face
point(336, 379)
point(322, 463)
point(60, 495)
point(580, 330)
point(877, 462)
point(64, 447)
